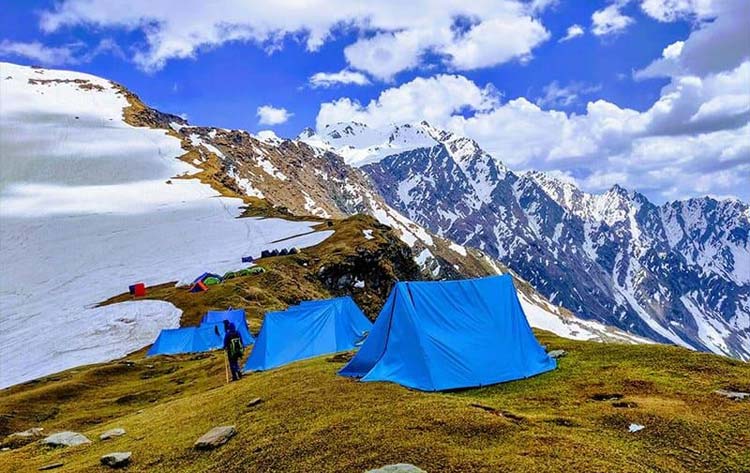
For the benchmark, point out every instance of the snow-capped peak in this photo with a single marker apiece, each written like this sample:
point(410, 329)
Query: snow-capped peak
point(360, 144)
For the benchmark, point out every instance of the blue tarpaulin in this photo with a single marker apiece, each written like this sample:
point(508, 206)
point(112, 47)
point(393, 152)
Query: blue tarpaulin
point(307, 331)
point(435, 336)
point(175, 341)
point(236, 316)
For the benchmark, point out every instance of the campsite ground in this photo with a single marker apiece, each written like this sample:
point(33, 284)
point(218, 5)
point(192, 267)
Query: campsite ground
point(575, 418)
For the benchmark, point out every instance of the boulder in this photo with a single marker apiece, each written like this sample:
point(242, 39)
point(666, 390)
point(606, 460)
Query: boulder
point(215, 437)
point(116, 459)
point(557, 354)
point(66, 439)
point(112, 433)
point(398, 468)
point(254, 402)
point(733, 395)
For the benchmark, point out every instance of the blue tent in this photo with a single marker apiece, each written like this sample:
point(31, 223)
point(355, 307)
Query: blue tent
point(435, 336)
point(175, 341)
point(304, 332)
point(236, 316)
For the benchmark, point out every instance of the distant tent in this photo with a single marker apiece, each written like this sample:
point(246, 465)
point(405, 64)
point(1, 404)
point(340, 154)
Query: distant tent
point(211, 281)
point(236, 316)
point(198, 287)
point(304, 332)
point(435, 336)
point(138, 289)
point(201, 282)
point(188, 340)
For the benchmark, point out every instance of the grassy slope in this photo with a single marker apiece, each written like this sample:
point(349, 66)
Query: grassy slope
point(313, 420)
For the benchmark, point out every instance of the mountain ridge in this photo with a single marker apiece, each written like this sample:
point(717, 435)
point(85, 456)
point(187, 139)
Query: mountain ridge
point(675, 272)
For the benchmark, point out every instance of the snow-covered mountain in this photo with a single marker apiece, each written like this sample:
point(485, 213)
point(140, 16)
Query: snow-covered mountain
point(676, 272)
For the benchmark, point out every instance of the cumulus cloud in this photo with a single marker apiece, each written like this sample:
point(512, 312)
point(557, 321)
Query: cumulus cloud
point(393, 35)
point(610, 20)
point(269, 115)
point(696, 131)
point(431, 99)
point(719, 42)
point(574, 31)
point(329, 79)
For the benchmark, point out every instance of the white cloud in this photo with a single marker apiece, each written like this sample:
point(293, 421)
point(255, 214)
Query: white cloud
point(431, 99)
point(574, 31)
point(719, 42)
point(44, 55)
point(394, 35)
point(610, 20)
point(328, 79)
point(268, 115)
point(695, 132)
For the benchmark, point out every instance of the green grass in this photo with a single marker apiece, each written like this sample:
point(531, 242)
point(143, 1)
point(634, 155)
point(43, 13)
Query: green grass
point(313, 420)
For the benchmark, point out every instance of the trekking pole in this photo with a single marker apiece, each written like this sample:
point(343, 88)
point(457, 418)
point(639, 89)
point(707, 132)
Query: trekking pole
point(226, 368)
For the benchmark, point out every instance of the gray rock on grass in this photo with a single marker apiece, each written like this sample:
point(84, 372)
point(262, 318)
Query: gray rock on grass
point(116, 459)
point(66, 439)
point(733, 395)
point(112, 433)
point(215, 437)
point(398, 468)
point(557, 354)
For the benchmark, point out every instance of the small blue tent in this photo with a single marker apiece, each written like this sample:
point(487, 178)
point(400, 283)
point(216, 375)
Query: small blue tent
point(236, 316)
point(175, 341)
point(436, 336)
point(304, 332)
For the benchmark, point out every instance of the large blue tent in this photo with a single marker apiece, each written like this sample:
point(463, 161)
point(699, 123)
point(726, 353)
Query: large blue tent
point(306, 331)
point(236, 316)
point(175, 341)
point(435, 336)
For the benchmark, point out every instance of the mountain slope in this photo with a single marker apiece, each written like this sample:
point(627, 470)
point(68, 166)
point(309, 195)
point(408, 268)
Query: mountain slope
point(675, 273)
point(574, 418)
point(90, 205)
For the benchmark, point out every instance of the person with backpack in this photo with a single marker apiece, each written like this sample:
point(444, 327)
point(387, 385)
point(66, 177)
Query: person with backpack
point(233, 346)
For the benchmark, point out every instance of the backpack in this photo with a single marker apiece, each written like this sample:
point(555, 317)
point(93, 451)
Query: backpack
point(235, 348)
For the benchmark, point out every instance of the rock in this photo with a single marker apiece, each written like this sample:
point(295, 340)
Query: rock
point(733, 395)
point(66, 439)
point(215, 437)
point(398, 468)
point(116, 459)
point(636, 428)
point(557, 354)
point(30, 433)
point(112, 433)
point(254, 402)
point(51, 466)
point(19, 439)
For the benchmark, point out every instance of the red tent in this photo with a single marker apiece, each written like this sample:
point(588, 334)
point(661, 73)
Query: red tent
point(138, 289)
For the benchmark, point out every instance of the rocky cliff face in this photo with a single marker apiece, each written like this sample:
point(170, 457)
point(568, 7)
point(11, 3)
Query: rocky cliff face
point(676, 273)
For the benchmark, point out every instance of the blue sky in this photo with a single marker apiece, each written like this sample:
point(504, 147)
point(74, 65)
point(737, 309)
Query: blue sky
point(220, 76)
